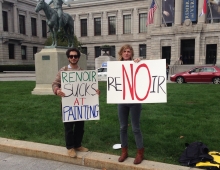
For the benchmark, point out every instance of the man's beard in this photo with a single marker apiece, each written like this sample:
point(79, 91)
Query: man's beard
point(73, 63)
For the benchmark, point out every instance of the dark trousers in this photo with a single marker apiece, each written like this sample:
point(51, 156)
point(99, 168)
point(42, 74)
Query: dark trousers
point(74, 134)
point(123, 114)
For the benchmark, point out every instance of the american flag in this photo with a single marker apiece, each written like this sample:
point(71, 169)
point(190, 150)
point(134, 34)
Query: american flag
point(150, 16)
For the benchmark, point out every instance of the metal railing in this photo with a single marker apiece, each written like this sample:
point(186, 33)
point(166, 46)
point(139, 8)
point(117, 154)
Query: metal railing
point(173, 67)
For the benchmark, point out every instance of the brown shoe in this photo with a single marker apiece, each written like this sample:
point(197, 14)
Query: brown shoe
point(71, 152)
point(124, 154)
point(140, 156)
point(82, 149)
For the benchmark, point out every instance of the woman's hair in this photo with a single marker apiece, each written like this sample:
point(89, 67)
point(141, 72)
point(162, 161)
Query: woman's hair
point(124, 47)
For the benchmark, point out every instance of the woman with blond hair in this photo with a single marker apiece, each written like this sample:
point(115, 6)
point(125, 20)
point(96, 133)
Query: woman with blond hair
point(126, 53)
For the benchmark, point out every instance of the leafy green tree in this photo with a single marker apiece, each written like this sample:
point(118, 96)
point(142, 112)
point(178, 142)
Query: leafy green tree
point(62, 41)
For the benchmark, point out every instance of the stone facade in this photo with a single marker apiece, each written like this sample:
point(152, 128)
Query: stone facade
point(12, 36)
point(157, 35)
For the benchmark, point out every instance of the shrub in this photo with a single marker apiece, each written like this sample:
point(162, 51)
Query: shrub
point(17, 68)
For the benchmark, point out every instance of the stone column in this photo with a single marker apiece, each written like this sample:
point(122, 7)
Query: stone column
point(90, 25)
point(135, 22)
point(15, 11)
point(197, 45)
point(104, 23)
point(157, 13)
point(119, 27)
point(77, 25)
point(1, 20)
point(202, 18)
point(39, 26)
point(178, 12)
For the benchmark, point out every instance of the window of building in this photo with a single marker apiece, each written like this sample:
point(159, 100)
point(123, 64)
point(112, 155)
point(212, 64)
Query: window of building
point(84, 51)
point(142, 50)
point(5, 20)
point(34, 52)
point(34, 26)
point(97, 51)
point(168, 11)
point(44, 29)
point(83, 27)
point(213, 21)
point(11, 51)
point(112, 25)
point(22, 24)
point(126, 24)
point(142, 22)
point(112, 51)
point(97, 26)
point(23, 52)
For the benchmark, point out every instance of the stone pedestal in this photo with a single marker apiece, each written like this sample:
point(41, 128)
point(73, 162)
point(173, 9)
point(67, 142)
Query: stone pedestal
point(47, 64)
point(101, 59)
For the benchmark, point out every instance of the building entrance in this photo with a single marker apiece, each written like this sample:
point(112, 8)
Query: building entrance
point(211, 51)
point(188, 51)
point(166, 53)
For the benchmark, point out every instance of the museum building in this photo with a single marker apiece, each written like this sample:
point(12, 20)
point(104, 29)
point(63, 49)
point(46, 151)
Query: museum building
point(22, 31)
point(182, 32)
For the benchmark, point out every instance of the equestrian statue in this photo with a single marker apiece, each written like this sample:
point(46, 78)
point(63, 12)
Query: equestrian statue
point(57, 19)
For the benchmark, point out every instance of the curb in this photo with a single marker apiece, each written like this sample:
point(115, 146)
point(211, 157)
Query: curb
point(88, 159)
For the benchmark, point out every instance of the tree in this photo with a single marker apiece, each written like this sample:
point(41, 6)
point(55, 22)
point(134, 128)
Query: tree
point(62, 41)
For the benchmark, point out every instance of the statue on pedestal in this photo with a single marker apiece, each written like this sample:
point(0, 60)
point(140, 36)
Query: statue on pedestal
point(57, 19)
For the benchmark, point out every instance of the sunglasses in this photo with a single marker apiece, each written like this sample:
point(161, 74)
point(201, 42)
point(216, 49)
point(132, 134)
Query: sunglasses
point(71, 56)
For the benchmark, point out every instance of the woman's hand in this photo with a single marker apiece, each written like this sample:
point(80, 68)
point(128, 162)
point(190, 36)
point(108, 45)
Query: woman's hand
point(98, 91)
point(136, 60)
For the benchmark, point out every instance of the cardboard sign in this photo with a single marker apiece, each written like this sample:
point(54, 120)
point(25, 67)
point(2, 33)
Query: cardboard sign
point(143, 82)
point(81, 102)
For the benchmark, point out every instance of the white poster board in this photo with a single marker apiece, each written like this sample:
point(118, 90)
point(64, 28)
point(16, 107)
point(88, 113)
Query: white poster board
point(81, 102)
point(143, 82)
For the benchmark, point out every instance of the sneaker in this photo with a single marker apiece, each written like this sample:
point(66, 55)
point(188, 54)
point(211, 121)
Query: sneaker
point(71, 152)
point(82, 149)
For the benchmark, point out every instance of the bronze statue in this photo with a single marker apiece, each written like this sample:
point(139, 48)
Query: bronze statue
point(55, 22)
point(58, 7)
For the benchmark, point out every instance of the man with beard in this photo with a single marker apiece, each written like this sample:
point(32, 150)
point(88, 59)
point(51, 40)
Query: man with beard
point(73, 130)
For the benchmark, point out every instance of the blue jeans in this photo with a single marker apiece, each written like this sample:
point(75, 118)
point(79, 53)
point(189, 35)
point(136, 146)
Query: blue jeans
point(123, 113)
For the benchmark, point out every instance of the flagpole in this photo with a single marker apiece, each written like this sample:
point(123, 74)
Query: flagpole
point(161, 13)
point(210, 9)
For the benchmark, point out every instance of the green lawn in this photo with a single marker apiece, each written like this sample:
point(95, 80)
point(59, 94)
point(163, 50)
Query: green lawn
point(191, 114)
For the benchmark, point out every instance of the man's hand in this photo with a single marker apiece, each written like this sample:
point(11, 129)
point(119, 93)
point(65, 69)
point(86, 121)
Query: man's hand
point(60, 93)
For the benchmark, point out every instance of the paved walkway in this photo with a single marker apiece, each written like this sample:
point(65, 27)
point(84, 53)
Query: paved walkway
point(87, 159)
point(17, 76)
point(17, 162)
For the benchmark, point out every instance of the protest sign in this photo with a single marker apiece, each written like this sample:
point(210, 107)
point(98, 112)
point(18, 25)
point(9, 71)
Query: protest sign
point(143, 82)
point(81, 102)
